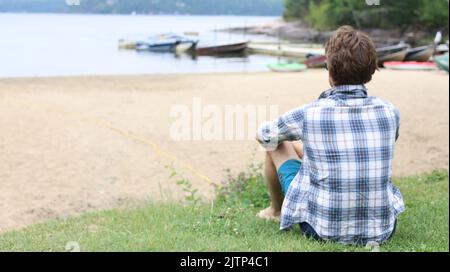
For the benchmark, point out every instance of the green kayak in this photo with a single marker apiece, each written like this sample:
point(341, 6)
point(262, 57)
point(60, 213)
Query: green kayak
point(287, 67)
point(442, 62)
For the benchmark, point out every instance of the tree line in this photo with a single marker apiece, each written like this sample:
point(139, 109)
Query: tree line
point(328, 14)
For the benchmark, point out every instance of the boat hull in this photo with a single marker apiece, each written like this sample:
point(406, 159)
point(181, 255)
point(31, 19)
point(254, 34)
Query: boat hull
point(397, 56)
point(166, 47)
point(392, 53)
point(185, 47)
point(165, 43)
point(420, 54)
point(316, 62)
point(221, 49)
point(287, 67)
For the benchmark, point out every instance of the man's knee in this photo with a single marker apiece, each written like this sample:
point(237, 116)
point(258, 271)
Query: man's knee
point(284, 152)
point(284, 148)
point(298, 147)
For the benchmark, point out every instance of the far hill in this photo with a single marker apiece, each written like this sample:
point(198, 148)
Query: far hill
point(195, 7)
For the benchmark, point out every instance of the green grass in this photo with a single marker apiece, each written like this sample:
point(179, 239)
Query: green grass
point(230, 225)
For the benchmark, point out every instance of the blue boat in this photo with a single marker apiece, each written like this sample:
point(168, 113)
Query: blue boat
point(157, 46)
point(165, 43)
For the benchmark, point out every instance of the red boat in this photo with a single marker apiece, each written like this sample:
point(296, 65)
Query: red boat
point(410, 65)
point(316, 61)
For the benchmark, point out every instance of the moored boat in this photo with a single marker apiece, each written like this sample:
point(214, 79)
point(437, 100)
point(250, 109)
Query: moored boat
point(423, 53)
point(441, 49)
point(166, 43)
point(316, 61)
point(410, 65)
point(157, 46)
point(221, 48)
point(287, 67)
point(442, 62)
point(185, 41)
point(184, 47)
point(392, 53)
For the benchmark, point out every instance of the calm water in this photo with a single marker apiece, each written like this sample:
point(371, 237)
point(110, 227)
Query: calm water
point(56, 45)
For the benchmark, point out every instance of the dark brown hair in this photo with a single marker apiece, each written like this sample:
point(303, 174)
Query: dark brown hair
point(351, 57)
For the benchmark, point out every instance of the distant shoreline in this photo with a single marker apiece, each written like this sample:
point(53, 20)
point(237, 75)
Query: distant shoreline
point(298, 31)
point(139, 14)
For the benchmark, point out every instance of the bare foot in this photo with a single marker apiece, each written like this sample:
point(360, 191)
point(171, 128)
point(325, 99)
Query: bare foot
point(269, 214)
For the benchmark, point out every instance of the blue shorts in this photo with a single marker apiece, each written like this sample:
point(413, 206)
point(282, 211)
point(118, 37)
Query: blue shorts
point(287, 172)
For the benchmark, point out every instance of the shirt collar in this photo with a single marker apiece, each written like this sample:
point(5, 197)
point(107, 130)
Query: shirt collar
point(349, 91)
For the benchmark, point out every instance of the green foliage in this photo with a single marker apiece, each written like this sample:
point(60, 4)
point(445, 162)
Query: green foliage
point(295, 9)
point(247, 189)
point(315, 16)
point(434, 13)
point(328, 14)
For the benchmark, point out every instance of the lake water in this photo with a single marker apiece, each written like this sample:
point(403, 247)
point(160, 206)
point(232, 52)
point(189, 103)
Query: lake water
point(60, 44)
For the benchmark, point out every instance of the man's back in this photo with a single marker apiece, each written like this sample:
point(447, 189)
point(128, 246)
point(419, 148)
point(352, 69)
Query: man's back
point(345, 181)
point(338, 185)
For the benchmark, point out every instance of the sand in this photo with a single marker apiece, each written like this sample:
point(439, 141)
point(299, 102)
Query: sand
point(75, 144)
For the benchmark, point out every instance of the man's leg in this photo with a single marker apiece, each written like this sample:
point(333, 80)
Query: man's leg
point(274, 159)
point(274, 188)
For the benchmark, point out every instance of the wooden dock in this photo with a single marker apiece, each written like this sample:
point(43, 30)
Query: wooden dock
point(285, 49)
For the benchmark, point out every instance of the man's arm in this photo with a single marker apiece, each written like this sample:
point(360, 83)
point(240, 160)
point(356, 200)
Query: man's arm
point(288, 127)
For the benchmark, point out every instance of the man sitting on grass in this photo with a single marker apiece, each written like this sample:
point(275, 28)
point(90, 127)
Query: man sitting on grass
point(336, 182)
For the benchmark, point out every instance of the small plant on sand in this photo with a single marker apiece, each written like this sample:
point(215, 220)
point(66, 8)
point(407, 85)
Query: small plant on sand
point(246, 189)
point(234, 198)
point(191, 194)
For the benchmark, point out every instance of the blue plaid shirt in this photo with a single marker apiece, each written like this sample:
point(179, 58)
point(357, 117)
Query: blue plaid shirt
point(344, 189)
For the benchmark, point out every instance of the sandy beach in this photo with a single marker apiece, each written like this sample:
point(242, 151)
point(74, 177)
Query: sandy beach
point(74, 144)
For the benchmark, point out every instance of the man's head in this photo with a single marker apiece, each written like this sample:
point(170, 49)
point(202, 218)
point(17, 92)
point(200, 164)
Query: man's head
point(351, 57)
